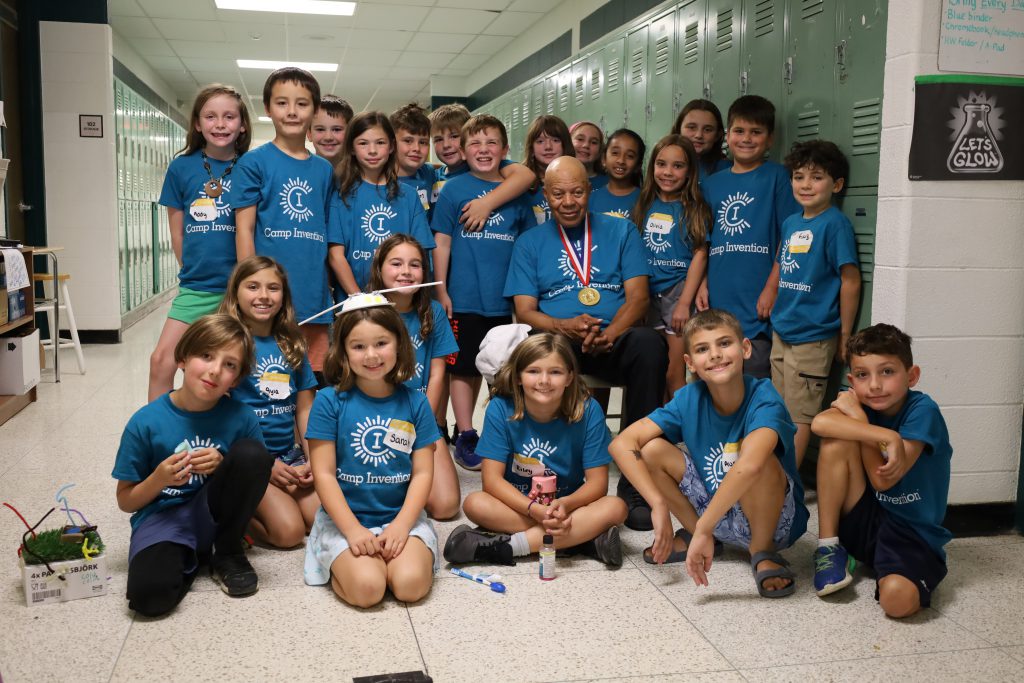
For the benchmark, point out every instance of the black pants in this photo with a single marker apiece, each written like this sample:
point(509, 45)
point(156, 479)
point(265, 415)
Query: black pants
point(157, 576)
point(638, 360)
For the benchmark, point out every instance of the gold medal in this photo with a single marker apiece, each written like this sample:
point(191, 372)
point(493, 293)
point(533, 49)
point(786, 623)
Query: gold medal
point(213, 188)
point(588, 296)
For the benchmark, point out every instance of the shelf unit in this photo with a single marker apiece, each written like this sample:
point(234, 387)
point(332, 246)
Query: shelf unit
point(12, 405)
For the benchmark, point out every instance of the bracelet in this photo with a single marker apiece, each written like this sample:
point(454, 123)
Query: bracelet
point(532, 501)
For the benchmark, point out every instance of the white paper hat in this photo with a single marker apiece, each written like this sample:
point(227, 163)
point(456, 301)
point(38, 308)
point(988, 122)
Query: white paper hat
point(357, 301)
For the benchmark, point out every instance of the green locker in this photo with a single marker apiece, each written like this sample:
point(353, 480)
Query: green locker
point(580, 103)
point(564, 102)
point(635, 112)
point(536, 100)
point(661, 56)
point(525, 118)
point(861, 207)
point(762, 46)
point(551, 95)
point(612, 99)
point(860, 69)
point(722, 50)
point(808, 76)
point(595, 89)
point(689, 74)
point(122, 253)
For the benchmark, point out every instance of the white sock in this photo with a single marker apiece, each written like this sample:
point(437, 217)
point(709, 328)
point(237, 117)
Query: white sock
point(520, 546)
point(822, 542)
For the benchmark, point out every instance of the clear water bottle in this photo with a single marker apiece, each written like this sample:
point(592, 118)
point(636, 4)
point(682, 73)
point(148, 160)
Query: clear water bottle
point(547, 558)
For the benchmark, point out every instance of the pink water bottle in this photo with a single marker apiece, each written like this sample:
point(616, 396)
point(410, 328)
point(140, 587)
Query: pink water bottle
point(544, 488)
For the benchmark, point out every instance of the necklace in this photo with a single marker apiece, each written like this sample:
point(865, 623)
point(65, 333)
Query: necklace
point(214, 187)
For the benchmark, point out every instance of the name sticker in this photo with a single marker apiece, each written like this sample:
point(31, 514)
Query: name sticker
point(274, 385)
point(800, 242)
point(436, 190)
point(401, 436)
point(660, 223)
point(422, 192)
point(203, 209)
point(730, 453)
point(526, 466)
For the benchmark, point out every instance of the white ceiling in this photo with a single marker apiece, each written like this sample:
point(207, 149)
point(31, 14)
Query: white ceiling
point(387, 52)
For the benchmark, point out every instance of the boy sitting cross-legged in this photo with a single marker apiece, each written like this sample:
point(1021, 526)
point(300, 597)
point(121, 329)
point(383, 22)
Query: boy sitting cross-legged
point(736, 480)
point(883, 477)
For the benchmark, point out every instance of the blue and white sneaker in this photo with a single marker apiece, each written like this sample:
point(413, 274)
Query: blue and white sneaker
point(465, 451)
point(832, 566)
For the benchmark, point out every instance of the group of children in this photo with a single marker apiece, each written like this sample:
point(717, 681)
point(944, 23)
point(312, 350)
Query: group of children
point(291, 421)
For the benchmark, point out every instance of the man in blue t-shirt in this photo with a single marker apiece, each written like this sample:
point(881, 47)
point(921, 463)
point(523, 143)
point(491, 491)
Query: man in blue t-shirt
point(735, 481)
point(749, 202)
point(584, 275)
point(883, 477)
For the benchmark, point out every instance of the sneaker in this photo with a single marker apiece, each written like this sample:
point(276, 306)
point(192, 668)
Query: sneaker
point(235, 575)
point(465, 451)
point(466, 544)
point(608, 547)
point(832, 565)
point(639, 517)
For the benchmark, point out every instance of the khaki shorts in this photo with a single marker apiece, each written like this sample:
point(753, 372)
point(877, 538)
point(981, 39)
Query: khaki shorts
point(800, 375)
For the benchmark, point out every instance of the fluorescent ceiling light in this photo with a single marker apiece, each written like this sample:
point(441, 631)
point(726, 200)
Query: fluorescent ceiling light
point(264, 119)
point(272, 64)
point(341, 9)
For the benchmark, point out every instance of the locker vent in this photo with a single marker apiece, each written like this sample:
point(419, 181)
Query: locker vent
point(595, 83)
point(580, 94)
point(808, 124)
point(614, 68)
point(563, 96)
point(515, 118)
point(764, 17)
point(538, 104)
point(636, 66)
point(549, 100)
point(867, 120)
point(811, 8)
point(723, 38)
point(661, 56)
point(526, 111)
point(691, 47)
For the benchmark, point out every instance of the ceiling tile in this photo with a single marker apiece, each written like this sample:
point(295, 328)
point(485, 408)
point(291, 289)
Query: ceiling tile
point(487, 45)
point(124, 8)
point(134, 27)
point(398, 85)
point(179, 9)
point(165, 63)
point(179, 29)
point(443, 20)
point(396, 17)
point(220, 50)
point(370, 57)
point(497, 5)
point(425, 59)
point(512, 23)
point(364, 75)
point(447, 42)
point(455, 72)
point(412, 72)
point(316, 37)
point(243, 32)
point(467, 61)
point(365, 39)
point(152, 46)
point(532, 6)
point(199, 64)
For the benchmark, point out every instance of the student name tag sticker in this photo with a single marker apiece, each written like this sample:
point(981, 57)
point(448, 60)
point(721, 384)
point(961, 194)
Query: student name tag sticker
point(424, 200)
point(540, 212)
point(526, 466)
point(401, 436)
point(203, 209)
point(660, 223)
point(274, 385)
point(436, 190)
point(800, 242)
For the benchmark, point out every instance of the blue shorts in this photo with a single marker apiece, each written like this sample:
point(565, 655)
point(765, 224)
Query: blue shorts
point(189, 524)
point(888, 545)
point(326, 543)
point(734, 528)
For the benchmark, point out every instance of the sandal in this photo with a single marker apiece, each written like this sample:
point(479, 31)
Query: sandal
point(782, 572)
point(677, 556)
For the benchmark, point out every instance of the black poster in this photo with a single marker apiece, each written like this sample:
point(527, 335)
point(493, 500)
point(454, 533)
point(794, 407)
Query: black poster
point(968, 128)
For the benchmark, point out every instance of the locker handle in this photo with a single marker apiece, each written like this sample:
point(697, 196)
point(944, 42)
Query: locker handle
point(649, 110)
point(744, 79)
point(787, 70)
point(707, 92)
point(841, 54)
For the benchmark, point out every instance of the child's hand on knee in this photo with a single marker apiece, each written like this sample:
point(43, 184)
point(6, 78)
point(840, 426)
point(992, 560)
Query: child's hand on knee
point(362, 542)
point(206, 460)
point(392, 540)
point(849, 405)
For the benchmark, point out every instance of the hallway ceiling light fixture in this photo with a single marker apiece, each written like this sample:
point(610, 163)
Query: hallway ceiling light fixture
point(271, 65)
point(340, 9)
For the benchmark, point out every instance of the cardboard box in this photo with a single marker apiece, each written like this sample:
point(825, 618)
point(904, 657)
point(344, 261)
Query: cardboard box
point(82, 579)
point(19, 362)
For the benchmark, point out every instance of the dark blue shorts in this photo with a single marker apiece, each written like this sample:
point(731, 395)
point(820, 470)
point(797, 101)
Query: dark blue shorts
point(888, 545)
point(189, 524)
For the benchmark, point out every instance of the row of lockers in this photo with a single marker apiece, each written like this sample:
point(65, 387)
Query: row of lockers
point(146, 141)
point(820, 62)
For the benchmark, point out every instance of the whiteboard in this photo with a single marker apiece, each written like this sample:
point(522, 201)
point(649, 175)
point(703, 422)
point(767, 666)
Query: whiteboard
point(982, 36)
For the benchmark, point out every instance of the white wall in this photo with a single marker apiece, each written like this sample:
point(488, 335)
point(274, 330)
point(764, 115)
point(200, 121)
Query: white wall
point(949, 271)
point(81, 173)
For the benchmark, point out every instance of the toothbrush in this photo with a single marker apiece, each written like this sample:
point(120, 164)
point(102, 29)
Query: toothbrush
point(495, 586)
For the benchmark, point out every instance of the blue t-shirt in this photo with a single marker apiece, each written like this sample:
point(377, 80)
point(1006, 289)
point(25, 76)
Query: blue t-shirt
point(270, 390)
point(291, 198)
point(439, 344)
point(538, 204)
point(156, 430)
point(603, 201)
point(446, 173)
point(667, 244)
point(748, 210)
point(208, 246)
point(714, 440)
point(919, 498)
point(374, 439)
point(541, 268)
point(704, 170)
point(528, 447)
point(813, 252)
point(422, 183)
point(598, 181)
point(479, 260)
point(369, 217)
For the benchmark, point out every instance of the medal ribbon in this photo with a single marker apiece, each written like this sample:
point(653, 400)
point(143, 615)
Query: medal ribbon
point(582, 269)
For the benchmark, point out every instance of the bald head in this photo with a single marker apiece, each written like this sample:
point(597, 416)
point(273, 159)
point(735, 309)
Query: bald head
point(567, 190)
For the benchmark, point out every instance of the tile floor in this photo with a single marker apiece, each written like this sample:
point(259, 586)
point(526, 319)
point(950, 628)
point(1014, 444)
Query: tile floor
point(639, 623)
